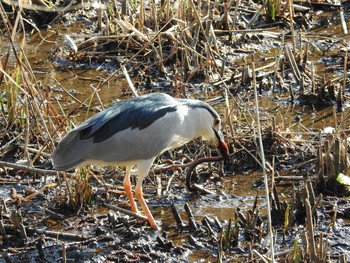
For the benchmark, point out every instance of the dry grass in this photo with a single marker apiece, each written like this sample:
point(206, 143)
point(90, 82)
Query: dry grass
point(184, 39)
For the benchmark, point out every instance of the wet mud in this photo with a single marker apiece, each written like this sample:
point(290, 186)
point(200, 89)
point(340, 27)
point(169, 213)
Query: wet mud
point(76, 217)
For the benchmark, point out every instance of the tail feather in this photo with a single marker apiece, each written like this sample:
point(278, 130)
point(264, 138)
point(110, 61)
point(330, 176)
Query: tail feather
point(70, 152)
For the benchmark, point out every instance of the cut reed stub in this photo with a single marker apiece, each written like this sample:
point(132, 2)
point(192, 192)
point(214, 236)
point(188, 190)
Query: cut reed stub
point(194, 187)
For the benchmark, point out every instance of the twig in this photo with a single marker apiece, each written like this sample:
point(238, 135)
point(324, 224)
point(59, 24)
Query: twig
point(61, 235)
point(131, 85)
point(124, 211)
point(33, 150)
point(69, 94)
point(31, 196)
point(201, 189)
point(10, 142)
point(47, 210)
point(291, 178)
point(260, 256)
point(26, 168)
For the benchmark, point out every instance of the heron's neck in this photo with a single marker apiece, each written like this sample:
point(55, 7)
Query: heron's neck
point(196, 123)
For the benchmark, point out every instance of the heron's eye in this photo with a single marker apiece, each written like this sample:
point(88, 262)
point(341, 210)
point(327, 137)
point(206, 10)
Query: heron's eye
point(216, 122)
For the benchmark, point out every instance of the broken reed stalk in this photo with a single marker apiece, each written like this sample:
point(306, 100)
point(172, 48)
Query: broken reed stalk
point(310, 231)
point(178, 219)
point(323, 247)
point(343, 22)
point(305, 58)
point(345, 71)
point(279, 57)
point(26, 132)
point(321, 165)
point(313, 84)
point(64, 253)
point(343, 258)
point(293, 63)
point(311, 194)
point(234, 19)
point(291, 13)
point(142, 15)
point(262, 156)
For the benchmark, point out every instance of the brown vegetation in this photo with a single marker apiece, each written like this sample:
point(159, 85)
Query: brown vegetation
point(217, 50)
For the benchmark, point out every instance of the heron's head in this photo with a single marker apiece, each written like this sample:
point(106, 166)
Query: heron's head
point(217, 139)
point(213, 132)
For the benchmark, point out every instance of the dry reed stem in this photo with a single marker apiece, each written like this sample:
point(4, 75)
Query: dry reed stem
point(262, 156)
point(291, 20)
point(293, 64)
point(238, 3)
point(131, 85)
point(343, 258)
point(345, 72)
point(343, 22)
point(310, 231)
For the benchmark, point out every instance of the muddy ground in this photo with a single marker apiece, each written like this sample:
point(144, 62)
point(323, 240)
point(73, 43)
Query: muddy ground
point(303, 101)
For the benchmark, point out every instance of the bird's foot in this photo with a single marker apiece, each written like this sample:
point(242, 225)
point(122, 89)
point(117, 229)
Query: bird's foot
point(154, 226)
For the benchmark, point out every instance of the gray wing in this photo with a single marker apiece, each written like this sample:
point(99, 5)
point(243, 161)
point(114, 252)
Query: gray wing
point(115, 133)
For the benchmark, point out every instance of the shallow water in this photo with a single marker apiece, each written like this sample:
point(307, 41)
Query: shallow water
point(238, 190)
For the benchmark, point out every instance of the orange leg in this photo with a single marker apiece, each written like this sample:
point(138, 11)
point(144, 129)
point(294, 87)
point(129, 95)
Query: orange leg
point(143, 168)
point(138, 195)
point(127, 188)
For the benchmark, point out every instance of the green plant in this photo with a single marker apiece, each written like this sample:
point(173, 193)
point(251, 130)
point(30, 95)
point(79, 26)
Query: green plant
point(273, 8)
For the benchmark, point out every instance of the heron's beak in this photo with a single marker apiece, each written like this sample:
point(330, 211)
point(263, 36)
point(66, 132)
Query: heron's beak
point(220, 144)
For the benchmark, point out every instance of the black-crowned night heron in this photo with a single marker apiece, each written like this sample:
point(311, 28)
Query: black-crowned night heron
point(134, 132)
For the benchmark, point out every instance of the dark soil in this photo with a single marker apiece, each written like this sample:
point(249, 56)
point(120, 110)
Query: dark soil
point(59, 224)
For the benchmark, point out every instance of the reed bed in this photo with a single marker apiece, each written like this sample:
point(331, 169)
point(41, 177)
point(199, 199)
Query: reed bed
point(183, 42)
